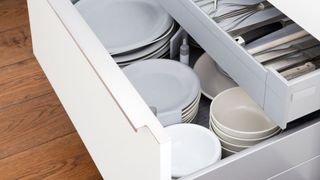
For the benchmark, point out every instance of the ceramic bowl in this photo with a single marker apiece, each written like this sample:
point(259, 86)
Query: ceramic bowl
point(193, 148)
point(236, 114)
point(227, 152)
point(239, 141)
point(233, 147)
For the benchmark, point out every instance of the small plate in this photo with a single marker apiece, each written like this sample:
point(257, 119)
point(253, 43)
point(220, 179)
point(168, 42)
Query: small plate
point(157, 54)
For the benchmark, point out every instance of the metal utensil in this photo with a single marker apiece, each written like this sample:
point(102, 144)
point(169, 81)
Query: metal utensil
point(291, 50)
point(278, 42)
point(285, 63)
point(247, 9)
point(252, 35)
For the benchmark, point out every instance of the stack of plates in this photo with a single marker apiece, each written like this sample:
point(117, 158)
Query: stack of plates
point(169, 86)
point(239, 122)
point(131, 30)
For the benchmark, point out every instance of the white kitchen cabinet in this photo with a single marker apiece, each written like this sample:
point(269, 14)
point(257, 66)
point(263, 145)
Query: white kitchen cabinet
point(123, 137)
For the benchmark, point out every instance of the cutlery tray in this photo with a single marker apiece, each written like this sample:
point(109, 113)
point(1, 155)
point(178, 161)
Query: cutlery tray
point(284, 101)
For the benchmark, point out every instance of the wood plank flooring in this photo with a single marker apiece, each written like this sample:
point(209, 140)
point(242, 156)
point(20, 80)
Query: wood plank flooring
point(37, 139)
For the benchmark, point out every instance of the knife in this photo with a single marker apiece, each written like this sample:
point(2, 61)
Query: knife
point(308, 67)
point(300, 70)
point(291, 50)
point(260, 32)
point(237, 32)
point(285, 63)
point(278, 42)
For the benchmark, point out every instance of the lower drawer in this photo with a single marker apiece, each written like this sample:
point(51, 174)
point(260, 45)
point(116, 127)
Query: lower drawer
point(123, 137)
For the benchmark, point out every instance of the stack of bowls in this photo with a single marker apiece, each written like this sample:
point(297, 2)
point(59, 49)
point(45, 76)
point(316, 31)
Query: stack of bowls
point(168, 86)
point(239, 122)
point(193, 148)
point(131, 30)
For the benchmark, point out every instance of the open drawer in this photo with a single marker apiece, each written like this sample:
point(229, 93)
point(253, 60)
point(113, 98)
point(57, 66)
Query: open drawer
point(284, 101)
point(122, 135)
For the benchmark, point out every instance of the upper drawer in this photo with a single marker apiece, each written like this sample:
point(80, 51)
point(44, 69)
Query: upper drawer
point(283, 100)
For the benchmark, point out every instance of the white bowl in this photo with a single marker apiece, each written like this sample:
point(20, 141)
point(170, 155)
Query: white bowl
point(236, 114)
point(240, 141)
point(193, 148)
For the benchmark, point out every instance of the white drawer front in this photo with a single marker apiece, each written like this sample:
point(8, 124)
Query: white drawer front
point(122, 135)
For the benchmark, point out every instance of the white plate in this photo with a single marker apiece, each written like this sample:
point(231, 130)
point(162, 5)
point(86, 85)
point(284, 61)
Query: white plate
point(165, 84)
point(192, 105)
point(192, 111)
point(140, 53)
point(157, 54)
point(211, 79)
point(124, 25)
point(191, 116)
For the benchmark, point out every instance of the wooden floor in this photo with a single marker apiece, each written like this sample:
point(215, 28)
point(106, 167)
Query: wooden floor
point(37, 139)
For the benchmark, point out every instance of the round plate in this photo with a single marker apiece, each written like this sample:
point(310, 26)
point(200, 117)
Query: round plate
point(191, 107)
point(124, 25)
point(160, 52)
point(165, 84)
point(211, 79)
point(138, 54)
